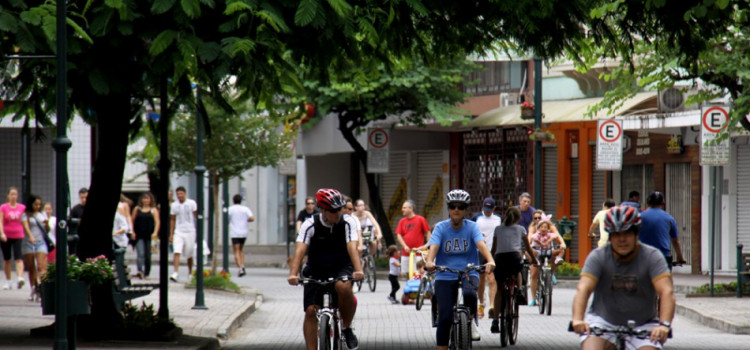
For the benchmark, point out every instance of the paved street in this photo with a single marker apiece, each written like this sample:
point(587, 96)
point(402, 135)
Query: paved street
point(380, 325)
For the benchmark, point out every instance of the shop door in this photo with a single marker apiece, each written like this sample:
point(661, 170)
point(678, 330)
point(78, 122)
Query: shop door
point(549, 198)
point(574, 200)
point(678, 204)
point(639, 177)
point(743, 196)
point(393, 188)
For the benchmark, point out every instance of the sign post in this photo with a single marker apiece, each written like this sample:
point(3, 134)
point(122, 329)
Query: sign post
point(378, 140)
point(609, 145)
point(714, 119)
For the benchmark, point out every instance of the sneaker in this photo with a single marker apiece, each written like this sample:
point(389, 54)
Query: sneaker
point(173, 277)
point(242, 272)
point(351, 340)
point(21, 282)
point(480, 312)
point(554, 280)
point(495, 327)
point(392, 300)
point(559, 260)
point(7, 285)
point(474, 332)
point(532, 302)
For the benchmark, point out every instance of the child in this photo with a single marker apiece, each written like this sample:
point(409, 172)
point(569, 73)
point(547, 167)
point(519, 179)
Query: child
point(420, 270)
point(544, 237)
point(395, 269)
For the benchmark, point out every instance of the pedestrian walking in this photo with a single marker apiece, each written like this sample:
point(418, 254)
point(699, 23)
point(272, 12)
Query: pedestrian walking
point(11, 237)
point(124, 208)
point(77, 211)
point(659, 229)
point(34, 248)
point(146, 225)
point(182, 231)
point(394, 269)
point(239, 218)
point(487, 221)
point(52, 234)
point(412, 233)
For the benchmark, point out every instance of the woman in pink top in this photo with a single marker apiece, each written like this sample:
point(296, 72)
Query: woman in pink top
point(545, 238)
point(11, 236)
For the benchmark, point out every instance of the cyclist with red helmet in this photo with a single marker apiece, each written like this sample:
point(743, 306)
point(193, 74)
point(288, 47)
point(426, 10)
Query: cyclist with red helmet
point(625, 276)
point(329, 239)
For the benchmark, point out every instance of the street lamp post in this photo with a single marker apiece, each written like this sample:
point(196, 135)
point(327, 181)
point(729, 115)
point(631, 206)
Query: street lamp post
point(538, 126)
point(225, 228)
point(199, 171)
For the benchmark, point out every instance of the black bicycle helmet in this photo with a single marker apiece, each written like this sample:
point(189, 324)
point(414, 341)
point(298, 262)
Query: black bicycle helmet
point(655, 199)
point(620, 219)
point(329, 199)
point(458, 196)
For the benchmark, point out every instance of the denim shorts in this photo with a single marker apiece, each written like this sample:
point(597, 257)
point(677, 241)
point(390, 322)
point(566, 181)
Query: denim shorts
point(40, 246)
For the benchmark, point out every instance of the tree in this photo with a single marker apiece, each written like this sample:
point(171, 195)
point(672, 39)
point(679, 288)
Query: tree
point(412, 92)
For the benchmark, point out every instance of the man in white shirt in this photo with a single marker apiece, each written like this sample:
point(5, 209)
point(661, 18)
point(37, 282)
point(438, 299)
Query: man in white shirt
point(182, 230)
point(487, 221)
point(239, 218)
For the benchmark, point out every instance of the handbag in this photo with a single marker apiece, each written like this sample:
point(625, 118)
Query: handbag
point(47, 239)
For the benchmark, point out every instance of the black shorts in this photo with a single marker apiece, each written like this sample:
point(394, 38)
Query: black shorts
point(238, 240)
point(314, 293)
point(12, 245)
point(508, 264)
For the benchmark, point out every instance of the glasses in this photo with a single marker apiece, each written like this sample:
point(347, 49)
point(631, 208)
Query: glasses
point(537, 218)
point(452, 206)
point(335, 210)
point(310, 203)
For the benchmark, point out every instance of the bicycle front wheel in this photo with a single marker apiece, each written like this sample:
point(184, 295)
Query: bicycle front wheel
point(464, 328)
point(540, 291)
point(325, 333)
point(548, 295)
point(513, 315)
point(372, 275)
point(504, 316)
point(421, 293)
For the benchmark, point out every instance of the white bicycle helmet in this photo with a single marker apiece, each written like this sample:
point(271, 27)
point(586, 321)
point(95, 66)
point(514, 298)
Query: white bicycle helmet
point(458, 196)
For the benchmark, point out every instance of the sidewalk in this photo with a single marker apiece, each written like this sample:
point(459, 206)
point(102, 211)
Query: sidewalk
point(202, 329)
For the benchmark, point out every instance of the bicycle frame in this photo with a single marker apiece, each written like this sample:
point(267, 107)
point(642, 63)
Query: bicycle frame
point(461, 328)
point(328, 315)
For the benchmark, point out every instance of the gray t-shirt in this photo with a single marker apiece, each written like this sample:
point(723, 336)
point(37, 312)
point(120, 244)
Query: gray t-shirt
point(625, 290)
point(37, 230)
point(509, 238)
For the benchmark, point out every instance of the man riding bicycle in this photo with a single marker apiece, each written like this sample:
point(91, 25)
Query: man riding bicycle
point(329, 240)
point(626, 277)
point(455, 243)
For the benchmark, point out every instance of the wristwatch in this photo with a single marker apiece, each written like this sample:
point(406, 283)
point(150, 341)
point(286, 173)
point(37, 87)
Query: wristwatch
point(666, 324)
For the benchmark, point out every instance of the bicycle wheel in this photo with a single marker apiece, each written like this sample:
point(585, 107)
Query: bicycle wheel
point(504, 317)
point(540, 288)
point(513, 323)
point(434, 310)
point(372, 275)
point(421, 293)
point(548, 295)
point(325, 333)
point(464, 331)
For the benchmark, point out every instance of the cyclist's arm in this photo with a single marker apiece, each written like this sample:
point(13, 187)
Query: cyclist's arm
point(429, 261)
point(560, 242)
point(665, 290)
point(529, 251)
point(586, 285)
point(482, 246)
point(375, 226)
point(351, 247)
point(594, 228)
point(299, 252)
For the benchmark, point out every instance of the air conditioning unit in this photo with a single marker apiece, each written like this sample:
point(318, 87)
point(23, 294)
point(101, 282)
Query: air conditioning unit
point(672, 100)
point(504, 99)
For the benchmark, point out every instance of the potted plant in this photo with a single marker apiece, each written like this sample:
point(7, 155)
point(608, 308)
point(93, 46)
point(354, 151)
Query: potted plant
point(80, 276)
point(539, 135)
point(527, 110)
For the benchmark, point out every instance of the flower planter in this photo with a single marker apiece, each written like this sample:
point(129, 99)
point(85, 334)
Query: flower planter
point(527, 113)
point(78, 297)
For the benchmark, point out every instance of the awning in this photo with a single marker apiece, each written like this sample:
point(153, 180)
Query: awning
point(555, 112)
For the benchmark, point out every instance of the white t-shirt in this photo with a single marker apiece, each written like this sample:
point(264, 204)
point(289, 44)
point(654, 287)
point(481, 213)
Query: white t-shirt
point(487, 226)
point(121, 239)
point(238, 224)
point(184, 218)
point(307, 230)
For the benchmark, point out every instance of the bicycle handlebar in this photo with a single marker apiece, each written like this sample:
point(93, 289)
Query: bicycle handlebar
point(306, 280)
point(469, 268)
point(620, 330)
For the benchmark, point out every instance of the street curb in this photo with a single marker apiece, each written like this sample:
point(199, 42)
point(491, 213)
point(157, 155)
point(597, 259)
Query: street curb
point(710, 321)
point(238, 317)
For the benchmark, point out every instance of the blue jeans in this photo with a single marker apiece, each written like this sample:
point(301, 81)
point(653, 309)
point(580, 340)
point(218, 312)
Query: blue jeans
point(143, 249)
point(446, 292)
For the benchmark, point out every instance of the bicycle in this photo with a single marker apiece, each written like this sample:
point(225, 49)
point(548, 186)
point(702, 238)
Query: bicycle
point(426, 289)
point(460, 336)
point(329, 317)
point(621, 332)
point(368, 265)
point(544, 282)
point(509, 311)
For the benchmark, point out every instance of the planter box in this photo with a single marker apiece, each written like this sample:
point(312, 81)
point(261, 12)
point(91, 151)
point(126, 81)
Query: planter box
point(79, 298)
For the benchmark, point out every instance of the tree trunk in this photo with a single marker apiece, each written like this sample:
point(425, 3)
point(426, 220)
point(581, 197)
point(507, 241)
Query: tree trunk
point(95, 231)
point(376, 203)
point(215, 197)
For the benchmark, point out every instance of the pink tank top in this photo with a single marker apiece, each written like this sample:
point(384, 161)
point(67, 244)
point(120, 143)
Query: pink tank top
point(12, 225)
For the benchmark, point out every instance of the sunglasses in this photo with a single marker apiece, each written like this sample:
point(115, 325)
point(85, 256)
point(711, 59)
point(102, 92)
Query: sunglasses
point(452, 206)
point(536, 218)
point(336, 210)
point(310, 203)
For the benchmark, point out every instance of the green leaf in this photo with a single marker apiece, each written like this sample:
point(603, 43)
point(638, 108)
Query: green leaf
point(99, 82)
point(274, 20)
point(162, 42)
point(100, 23)
point(115, 4)
point(341, 7)
point(49, 26)
point(306, 12)
point(192, 8)
point(722, 4)
point(234, 46)
point(161, 6)
point(237, 6)
point(31, 17)
point(209, 51)
point(78, 30)
point(8, 23)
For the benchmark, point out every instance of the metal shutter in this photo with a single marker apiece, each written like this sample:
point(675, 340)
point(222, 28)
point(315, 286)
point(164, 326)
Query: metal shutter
point(429, 173)
point(549, 181)
point(574, 200)
point(389, 182)
point(598, 194)
point(743, 196)
point(678, 204)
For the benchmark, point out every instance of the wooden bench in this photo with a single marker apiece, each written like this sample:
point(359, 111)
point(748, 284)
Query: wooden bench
point(123, 290)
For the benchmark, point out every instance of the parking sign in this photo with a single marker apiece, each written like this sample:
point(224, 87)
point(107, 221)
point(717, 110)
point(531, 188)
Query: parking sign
point(609, 145)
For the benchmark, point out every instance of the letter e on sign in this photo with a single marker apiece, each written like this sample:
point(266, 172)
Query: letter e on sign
point(610, 131)
point(715, 119)
point(378, 138)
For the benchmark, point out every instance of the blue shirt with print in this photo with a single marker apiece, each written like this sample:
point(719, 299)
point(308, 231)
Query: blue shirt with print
point(657, 230)
point(456, 247)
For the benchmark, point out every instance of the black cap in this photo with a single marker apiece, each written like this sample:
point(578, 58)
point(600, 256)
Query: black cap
point(488, 204)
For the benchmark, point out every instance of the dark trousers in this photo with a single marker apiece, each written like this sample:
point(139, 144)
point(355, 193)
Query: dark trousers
point(394, 285)
point(447, 296)
point(143, 249)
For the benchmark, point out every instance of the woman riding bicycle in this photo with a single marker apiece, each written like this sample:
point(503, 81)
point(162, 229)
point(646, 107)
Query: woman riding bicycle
point(544, 238)
point(455, 243)
point(506, 245)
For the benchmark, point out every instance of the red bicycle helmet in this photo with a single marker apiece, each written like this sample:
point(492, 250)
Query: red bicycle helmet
point(620, 219)
point(329, 199)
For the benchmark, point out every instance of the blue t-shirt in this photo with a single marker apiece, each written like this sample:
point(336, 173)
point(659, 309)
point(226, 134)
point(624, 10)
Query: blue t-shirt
point(629, 203)
point(456, 247)
point(526, 216)
point(657, 227)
